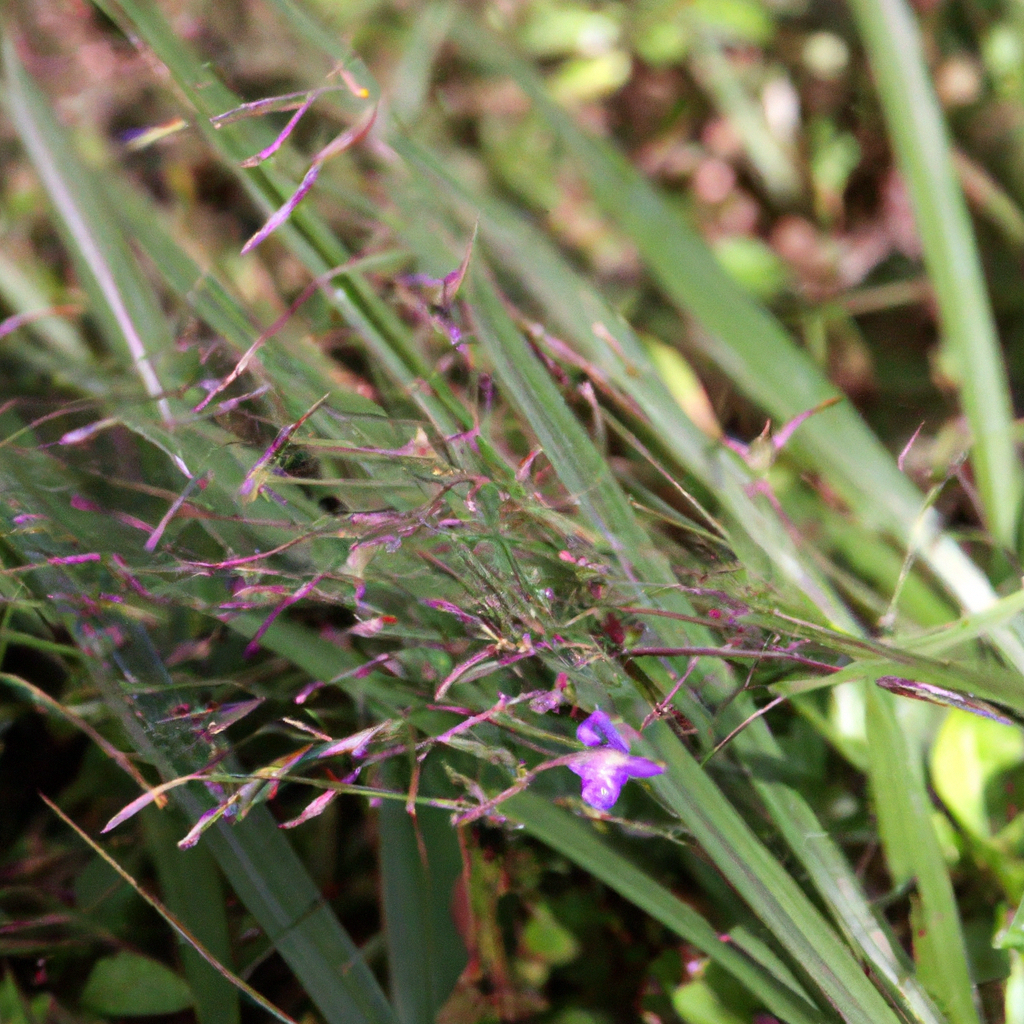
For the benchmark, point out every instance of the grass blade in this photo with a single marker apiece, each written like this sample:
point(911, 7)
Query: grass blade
point(615, 350)
point(751, 346)
point(193, 892)
point(177, 925)
point(922, 148)
point(425, 953)
point(121, 296)
point(905, 822)
point(254, 855)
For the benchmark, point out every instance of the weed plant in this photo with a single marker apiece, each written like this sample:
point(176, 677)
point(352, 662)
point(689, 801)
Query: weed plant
point(407, 614)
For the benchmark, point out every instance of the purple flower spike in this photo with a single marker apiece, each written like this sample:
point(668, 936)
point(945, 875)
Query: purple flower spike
point(598, 729)
point(605, 771)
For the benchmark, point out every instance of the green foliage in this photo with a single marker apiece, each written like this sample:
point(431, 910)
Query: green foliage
point(326, 541)
point(129, 985)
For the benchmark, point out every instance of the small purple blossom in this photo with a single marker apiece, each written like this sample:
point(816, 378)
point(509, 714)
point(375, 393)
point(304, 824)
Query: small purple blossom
point(604, 772)
point(606, 769)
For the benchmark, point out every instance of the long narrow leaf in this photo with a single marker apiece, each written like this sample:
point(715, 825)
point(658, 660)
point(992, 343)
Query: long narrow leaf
point(425, 952)
point(194, 893)
point(177, 925)
point(906, 827)
point(255, 856)
point(122, 297)
point(922, 147)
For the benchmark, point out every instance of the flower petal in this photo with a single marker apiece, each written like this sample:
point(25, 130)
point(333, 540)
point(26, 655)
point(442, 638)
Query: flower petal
point(597, 728)
point(641, 768)
point(602, 792)
point(603, 780)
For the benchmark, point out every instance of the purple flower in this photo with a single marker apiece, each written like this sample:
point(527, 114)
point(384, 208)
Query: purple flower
point(604, 772)
point(606, 769)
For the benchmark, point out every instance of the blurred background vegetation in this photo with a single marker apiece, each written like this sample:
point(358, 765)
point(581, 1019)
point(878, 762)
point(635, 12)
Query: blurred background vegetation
point(372, 509)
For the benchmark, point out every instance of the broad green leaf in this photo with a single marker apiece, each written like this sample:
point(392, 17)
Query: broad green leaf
point(15, 1008)
point(545, 938)
point(968, 753)
point(130, 985)
point(697, 1003)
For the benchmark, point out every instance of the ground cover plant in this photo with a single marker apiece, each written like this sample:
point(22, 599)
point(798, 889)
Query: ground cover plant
point(511, 510)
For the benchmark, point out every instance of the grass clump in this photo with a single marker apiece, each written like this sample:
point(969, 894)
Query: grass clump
point(415, 632)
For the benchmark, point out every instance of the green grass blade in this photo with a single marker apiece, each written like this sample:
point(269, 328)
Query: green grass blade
point(23, 294)
point(966, 629)
point(262, 868)
point(121, 297)
point(425, 954)
point(193, 893)
point(764, 884)
point(750, 345)
point(575, 307)
point(769, 157)
point(922, 148)
point(905, 824)
point(269, 877)
point(835, 880)
point(313, 243)
point(411, 81)
point(255, 856)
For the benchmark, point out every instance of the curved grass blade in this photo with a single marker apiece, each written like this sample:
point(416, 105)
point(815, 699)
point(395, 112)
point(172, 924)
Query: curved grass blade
point(254, 855)
point(610, 345)
point(121, 296)
point(835, 883)
point(922, 148)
